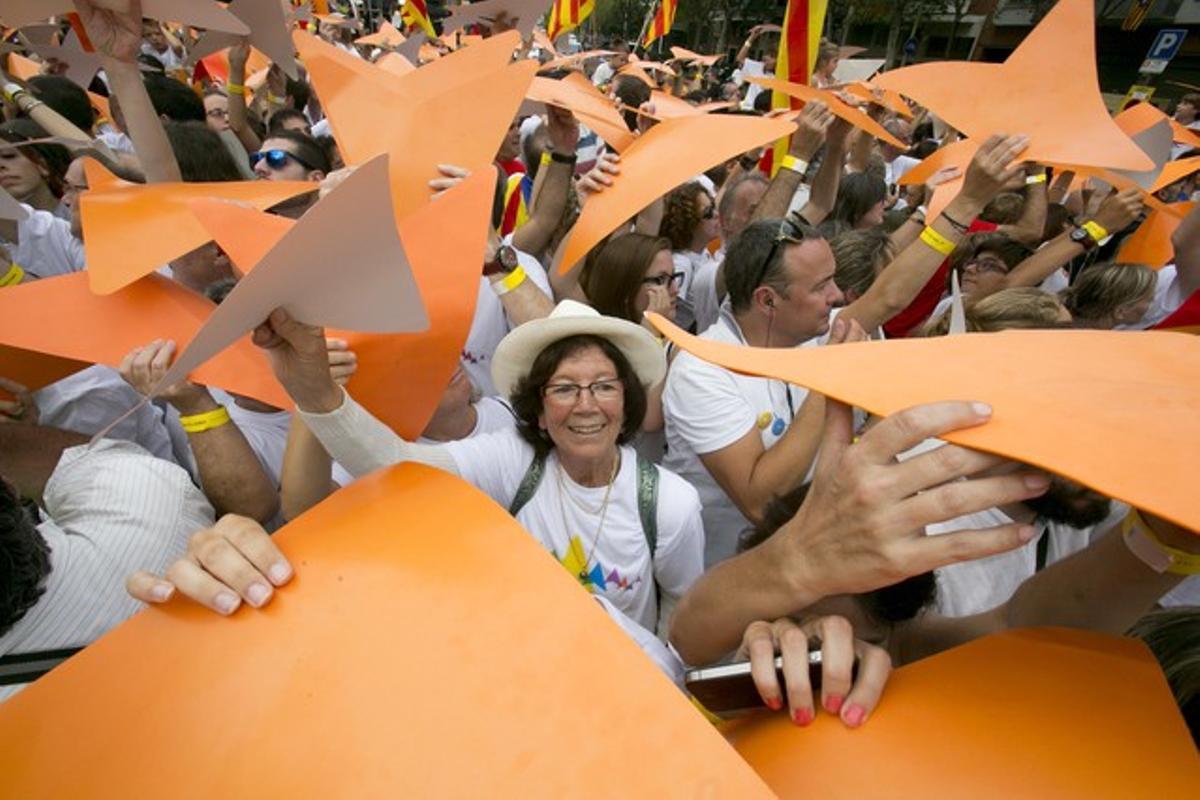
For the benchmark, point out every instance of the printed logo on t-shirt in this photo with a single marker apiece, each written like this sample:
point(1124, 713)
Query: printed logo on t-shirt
point(764, 419)
point(596, 578)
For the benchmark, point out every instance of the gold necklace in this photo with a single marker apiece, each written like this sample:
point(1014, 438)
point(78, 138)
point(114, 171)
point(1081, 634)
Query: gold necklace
point(562, 490)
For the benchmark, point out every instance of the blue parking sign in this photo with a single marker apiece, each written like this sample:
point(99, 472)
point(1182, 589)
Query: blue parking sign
point(1166, 44)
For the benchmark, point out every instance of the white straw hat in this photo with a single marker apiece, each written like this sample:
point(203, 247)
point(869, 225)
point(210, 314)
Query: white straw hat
point(517, 351)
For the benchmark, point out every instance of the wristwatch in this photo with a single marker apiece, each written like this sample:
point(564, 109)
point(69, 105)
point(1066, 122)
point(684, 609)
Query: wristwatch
point(504, 262)
point(1081, 236)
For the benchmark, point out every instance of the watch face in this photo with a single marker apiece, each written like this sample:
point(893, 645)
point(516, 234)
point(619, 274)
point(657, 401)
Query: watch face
point(507, 257)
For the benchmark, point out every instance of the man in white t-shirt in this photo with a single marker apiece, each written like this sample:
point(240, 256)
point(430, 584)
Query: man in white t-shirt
point(735, 208)
point(895, 162)
point(44, 246)
point(738, 439)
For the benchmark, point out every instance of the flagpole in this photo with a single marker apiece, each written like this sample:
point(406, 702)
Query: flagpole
point(646, 25)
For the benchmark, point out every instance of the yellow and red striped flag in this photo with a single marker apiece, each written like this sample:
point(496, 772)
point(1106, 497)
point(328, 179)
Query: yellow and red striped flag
point(416, 15)
point(663, 18)
point(566, 15)
point(798, 44)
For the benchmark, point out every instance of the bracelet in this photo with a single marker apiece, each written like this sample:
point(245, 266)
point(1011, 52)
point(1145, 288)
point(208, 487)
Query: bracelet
point(1030, 180)
point(273, 100)
point(14, 276)
point(30, 106)
point(545, 159)
point(11, 90)
point(938, 242)
point(1161, 558)
point(559, 158)
point(958, 226)
point(235, 88)
point(198, 423)
point(511, 281)
point(1095, 230)
point(797, 165)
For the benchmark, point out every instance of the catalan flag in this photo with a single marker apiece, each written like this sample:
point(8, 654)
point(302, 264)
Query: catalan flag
point(663, 18)
point(416, 15)
point(566, 15)
point(798, 43)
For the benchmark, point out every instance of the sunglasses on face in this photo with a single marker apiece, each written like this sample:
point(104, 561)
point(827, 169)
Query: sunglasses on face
point(665, 279)
point(276, 159)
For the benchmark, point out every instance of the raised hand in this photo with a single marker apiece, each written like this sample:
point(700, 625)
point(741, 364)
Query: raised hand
point(113, 26)
point(994, 167)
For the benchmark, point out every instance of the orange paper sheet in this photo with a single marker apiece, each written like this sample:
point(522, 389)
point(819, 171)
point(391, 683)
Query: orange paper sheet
point(454, 111)
point(1048, 88)
point(573, 61)
point(395, 64)
point(387, 37)
point(22, 68)
point(442, 242)
point(132, 229)
point(888, 99)
point(1046, 712)
point(1151, 243)
point(101, 329)
point(198, 13)
point(590, 106)
point(1060, 399)
point(400, 662)
point(683, 54)
point(268, 33)
point(668, 154)
point(854, 116)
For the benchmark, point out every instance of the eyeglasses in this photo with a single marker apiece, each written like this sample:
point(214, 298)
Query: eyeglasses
point(788, 232)
point(218, 113)
point(664, 279)
point(986, 265)
point(277, 159)
point(567, 394)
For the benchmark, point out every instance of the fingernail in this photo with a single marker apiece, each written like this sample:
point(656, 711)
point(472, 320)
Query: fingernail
point(227, 602)
point(257, 594)
point(774, 703)
point(161, 592)
point(982, 409)
point(802, 716)
point(279, 573)
point(1026, 533)
point(833, 703)
point(854, 715)
point(1037, 482)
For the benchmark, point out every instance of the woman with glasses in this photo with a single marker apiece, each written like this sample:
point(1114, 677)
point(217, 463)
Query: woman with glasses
point(577, 381)
point(690, 223)
point(633, 274)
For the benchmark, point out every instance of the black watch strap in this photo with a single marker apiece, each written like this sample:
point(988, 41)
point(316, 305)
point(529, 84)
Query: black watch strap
point(561, 159)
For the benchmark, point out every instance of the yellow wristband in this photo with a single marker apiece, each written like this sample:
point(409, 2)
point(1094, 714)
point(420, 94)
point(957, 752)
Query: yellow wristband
point(273, 100)
point(510, 282)
point(1032, 179)
point(1095, 230)
point(1142, 542)
point(235, 88)
point(797, 165)
point(938, 242)
point(14, 276)
point(546, 159)
point(198, 423)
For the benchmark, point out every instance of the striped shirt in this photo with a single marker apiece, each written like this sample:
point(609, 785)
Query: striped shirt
point(109, 511)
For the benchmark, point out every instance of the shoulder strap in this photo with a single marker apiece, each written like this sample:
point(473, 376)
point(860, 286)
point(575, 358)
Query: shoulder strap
point(647, 499)
point(28, 667)
point(529, 484)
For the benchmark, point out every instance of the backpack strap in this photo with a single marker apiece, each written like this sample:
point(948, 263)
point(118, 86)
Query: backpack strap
point(529, 484)
point(647, 500)
point(27, 667)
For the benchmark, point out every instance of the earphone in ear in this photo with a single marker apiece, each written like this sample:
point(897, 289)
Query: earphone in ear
point(770, 302)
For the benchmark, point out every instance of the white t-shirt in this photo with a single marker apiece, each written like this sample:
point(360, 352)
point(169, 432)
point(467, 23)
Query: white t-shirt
point(896, 169)
point(45, 246)
point(93, 398)
point(491, 324)
point(1168, 297)
point(603, 74)
point(691, 263)
point(706, 306)
point(663, 657)
point(110, 510)
point(750, 69)
point(708, 408)
point(613, 558)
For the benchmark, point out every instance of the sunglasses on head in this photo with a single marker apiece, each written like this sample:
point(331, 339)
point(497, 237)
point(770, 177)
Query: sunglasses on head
point(788, 232)
point(277, 159)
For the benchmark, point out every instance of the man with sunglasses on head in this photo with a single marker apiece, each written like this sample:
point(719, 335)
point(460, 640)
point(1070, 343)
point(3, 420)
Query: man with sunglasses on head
point(740, 440)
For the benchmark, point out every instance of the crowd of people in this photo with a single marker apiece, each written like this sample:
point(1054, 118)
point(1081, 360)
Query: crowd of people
point(714, 515)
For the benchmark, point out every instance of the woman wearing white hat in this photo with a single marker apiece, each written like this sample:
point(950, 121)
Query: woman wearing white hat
point(625, 528)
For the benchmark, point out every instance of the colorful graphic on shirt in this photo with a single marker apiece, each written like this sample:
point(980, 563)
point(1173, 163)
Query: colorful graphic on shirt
point(778, 427)
point(594, 579)
point(764, 419)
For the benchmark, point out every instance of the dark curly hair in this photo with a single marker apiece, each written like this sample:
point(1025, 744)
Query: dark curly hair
point(680, 216)
point(527, 396)
point(24, 560)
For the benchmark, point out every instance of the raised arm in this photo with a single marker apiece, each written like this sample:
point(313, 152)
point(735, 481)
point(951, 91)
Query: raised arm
point(813, 123)
point(550, 198)
point(1186, 240)
point(239, 121)
point(829, 176)
point(902, 279)
point(116, 32)
point(1029, 227)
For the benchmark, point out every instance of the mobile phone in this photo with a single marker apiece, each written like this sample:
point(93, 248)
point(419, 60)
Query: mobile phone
point(730, 688)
